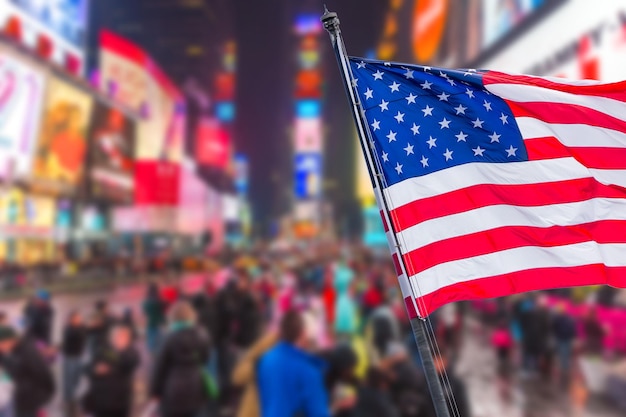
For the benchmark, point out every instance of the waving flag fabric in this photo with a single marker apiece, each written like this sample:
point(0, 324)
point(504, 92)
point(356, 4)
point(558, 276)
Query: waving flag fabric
point(497, 183)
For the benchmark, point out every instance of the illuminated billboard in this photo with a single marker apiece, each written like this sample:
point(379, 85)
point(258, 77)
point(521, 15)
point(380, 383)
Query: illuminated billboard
point(308, 135)
point(307, 175)
point(453, 33)
point(581, 41)
point(56, 29)
point(129, 76)
point(112, 151)
point(58, 164)
point(21, 96)
point(212, 143)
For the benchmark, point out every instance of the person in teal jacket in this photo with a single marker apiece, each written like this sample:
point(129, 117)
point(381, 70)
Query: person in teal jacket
point(290, 380)
point(345, 307)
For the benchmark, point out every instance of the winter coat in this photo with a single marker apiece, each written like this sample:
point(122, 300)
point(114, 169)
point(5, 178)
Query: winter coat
point(112, 391)
point(39, 319)
point(291, 382)
point(244, 376)
point(178, 378)
point(74, 341)
point(31, 375)
point(154, 309)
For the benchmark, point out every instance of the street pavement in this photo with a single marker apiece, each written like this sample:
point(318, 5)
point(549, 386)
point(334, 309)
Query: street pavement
point(529, 396)
point(476, 364)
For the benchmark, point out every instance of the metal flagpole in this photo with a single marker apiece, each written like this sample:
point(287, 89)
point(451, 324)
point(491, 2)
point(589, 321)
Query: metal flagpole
point(419, 325)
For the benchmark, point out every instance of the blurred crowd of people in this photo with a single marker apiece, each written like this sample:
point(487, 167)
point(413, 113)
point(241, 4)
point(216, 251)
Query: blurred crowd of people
point(320, 331)
point(313, 332)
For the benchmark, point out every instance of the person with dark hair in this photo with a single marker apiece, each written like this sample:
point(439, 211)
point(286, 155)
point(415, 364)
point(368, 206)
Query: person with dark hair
point(110, 374)
point(73, 349)
point(154, 310)
point(99, 326)
point(39, 316)
point(291, 381)
point(33, 379)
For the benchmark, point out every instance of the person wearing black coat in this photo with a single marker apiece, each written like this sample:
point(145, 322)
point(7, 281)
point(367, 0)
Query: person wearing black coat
point(33, 379)
point(178, 382)
point(39, 316)
point(73, 349)
point(110, 376)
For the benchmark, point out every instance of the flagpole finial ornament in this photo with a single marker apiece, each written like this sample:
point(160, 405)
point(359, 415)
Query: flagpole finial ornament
point(330, 21)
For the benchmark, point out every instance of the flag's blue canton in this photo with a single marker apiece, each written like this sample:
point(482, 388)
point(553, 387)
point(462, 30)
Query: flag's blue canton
point(426, 119)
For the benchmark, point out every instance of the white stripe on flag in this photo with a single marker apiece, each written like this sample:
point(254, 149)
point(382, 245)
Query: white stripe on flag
point(518, 259)
point(610, 176)
point(533, 94)
point(572, 135)
point(491, 217)
point(467, 175)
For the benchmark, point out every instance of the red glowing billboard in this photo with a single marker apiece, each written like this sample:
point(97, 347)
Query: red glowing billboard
point(212, 143)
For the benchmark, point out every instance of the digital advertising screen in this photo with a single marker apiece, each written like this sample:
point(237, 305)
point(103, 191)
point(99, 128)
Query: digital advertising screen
point(112, 148)
point(308, 175)
point(212, 143)
point(66, 19)
point(58, 164)
point(453, 33)
point(579, 41)
point(21, 97)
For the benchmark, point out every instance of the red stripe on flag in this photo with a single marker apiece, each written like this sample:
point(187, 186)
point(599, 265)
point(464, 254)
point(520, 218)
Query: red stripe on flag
point(410, 308)
point(483, 195)
point(559, 113)
point(385, 225)
point(545, 148)
point(503, 238)
point(396, 264)
point(616, 91)
point(523, 281)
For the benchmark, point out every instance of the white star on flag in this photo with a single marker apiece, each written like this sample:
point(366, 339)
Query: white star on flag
point(431, 142)
point(378, 75)
point(469, 93)
point(495, 137)
point(478, 151)
point(355, 82)
point(443, 96)
point(478, 123)
point(369, 93)
point(445, 123)
point(408, 149)
point(451, 81)
point(505, 119)
point(415, 129)
point(391, 136)
point(460, 109)
point(399, 168)
point(448, 154)
point(428, 111)
point(424, 161)
point(511, 151)
point(487, 105)
point(360, 65)
point(408, 74)
point(394, 87)
point(386, 156)
point(426, 85)
point(399, 117)
point(376, 125)
point(461, 137)
point(383, 105)
point(410, 98)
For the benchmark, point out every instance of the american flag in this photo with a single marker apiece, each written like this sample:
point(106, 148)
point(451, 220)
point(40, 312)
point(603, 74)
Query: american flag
point(495, 183)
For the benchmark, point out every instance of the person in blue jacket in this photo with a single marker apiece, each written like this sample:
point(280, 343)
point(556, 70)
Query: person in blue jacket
point(291, 380)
